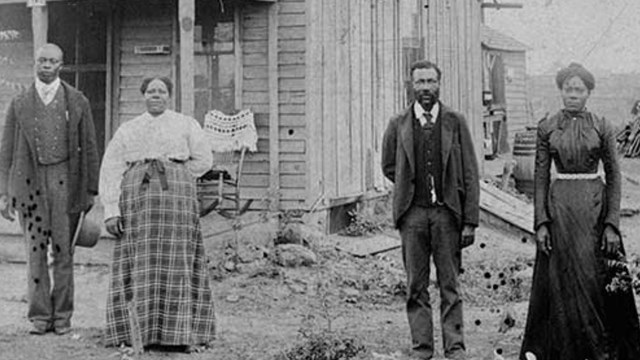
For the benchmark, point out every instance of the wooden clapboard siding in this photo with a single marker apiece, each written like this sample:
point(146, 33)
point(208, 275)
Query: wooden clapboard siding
point(453, 42)
point(354, 87)
point(516, 92)
point(142, 23)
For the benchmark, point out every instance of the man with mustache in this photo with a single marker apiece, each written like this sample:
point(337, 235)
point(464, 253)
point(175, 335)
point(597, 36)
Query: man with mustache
point(428, 154)
point(48, 175)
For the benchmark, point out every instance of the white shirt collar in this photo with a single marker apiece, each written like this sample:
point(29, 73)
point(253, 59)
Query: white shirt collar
point(419, 111)
point(47, 91)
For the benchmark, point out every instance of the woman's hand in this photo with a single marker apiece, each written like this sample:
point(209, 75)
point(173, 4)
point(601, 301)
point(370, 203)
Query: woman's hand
point(543, 239)
point(114, 226)
point(611, 242)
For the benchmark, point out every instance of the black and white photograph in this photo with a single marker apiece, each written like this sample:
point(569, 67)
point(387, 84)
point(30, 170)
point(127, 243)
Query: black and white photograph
point(319, 179)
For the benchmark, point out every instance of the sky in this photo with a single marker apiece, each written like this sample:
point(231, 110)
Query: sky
point(603, 35)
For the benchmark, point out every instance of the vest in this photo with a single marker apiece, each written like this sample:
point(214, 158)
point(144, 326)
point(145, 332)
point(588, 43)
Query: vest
point(51, 134)
point(426, 147)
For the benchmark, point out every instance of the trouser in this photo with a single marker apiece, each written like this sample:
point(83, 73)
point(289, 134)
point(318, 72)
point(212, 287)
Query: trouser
point(50, 300)
point(426, 232)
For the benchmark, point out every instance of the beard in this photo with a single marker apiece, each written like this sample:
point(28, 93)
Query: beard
point(427, 98)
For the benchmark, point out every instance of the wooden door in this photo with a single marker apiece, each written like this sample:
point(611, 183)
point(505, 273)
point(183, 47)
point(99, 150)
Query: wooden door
point(81, 30)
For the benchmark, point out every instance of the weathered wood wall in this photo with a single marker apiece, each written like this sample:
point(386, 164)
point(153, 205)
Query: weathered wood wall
point(516, 92)
point(273, 87)
point(354, 86)
point(141, 23)
point(453, 41)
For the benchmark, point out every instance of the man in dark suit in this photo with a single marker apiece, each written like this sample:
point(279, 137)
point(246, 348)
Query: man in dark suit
point(48, 174)
point(428, 153)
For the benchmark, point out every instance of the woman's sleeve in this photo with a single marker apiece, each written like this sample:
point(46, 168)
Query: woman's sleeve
point(111, 173)
point(541, 176)
point(612, 175)
point(200, 157)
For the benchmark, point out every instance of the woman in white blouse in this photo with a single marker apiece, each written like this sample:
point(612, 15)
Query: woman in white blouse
point(159, 276)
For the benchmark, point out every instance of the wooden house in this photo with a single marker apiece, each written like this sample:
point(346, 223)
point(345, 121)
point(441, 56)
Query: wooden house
point(504, 66)
point(321, 77)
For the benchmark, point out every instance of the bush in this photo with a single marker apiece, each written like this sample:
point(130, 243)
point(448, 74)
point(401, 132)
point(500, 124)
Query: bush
point(324, 346)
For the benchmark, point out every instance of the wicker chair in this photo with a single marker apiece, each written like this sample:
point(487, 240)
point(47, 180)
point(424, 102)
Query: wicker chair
point(231, 137)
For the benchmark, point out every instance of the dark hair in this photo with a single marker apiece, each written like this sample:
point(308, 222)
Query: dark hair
point(634, 109)
point(164, 79)
point(575, 69)
point(425, 64)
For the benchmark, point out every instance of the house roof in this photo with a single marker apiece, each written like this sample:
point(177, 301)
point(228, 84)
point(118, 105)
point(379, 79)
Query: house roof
point(493, 39)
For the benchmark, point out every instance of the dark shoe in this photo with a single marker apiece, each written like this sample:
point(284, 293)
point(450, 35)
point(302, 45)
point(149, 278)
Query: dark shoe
point(40, 328)
point(457, 355)
point(62, 330)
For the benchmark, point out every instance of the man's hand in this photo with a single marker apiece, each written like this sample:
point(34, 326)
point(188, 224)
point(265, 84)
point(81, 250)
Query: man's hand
point(611, 242)
point(468, 236)
point(114, 226)
point(543, 239)
point(6, 209)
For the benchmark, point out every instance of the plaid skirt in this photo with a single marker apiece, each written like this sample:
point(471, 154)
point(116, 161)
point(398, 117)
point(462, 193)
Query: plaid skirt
point(159, 279)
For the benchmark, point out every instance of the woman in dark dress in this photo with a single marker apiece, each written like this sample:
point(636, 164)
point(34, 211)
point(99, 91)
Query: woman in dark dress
point(571, 315)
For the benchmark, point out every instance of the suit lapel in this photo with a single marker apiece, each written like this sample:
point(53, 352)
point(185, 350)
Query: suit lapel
point(26, 115)
point(446, 134)
point(406, 134)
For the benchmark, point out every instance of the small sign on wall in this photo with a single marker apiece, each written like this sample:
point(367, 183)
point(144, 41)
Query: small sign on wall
point(33, 3)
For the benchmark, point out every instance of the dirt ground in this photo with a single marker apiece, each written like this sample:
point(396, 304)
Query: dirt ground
point(265, 309)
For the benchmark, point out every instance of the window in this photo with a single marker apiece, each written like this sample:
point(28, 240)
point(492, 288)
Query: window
point(214, 57)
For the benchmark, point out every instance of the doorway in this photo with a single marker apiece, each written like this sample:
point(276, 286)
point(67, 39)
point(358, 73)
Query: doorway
point(81, 29)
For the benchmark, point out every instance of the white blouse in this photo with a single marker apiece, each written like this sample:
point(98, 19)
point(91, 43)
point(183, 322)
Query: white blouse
point(168, 136)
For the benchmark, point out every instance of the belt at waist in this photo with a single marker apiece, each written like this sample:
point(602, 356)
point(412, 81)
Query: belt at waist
point(578, 176)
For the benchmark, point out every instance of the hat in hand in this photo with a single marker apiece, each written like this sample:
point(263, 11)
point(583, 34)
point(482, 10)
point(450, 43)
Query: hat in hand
point(87, 233)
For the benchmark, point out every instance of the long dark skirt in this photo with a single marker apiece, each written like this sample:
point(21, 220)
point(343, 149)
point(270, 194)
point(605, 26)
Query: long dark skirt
point(571, 316)
point(159, 265)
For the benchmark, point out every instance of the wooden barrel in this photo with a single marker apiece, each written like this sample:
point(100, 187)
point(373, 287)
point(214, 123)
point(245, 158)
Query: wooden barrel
point(524, 154)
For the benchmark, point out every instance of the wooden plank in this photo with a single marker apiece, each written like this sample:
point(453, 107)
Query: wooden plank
point(342, 121)
point(285, 132)
point(291, 58)
point(286, 182)
point(286, 167)
point(297, 8)
point(144, 70)
point(355, 101)
point(289, 45)
point(256, 97)
point(129, 58)
point(254, 46)
point(292, 71)
point(292, 84)
point(507, 207)
point(313, 102)
point(293, 97)
point(274, 143)
point(239, 61)
point(292, 120)
point(255, 59)
point(257, 33)
point(256, 84)
point(329, 146)
point(366, 94)
point(291, 19)
point(292, 32)
point(292, 109)
point(256, 72)
point(138, 34)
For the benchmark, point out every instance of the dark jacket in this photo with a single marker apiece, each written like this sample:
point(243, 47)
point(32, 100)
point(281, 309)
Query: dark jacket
point(460, 182)
point(18, 161)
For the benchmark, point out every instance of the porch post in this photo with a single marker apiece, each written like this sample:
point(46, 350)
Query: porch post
point(39, 25)
point(186, 16)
